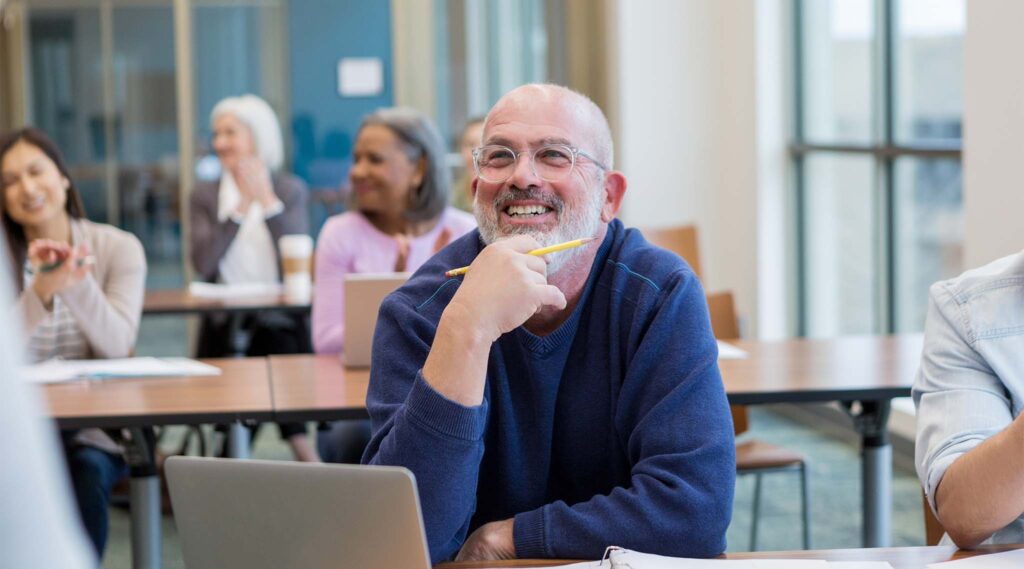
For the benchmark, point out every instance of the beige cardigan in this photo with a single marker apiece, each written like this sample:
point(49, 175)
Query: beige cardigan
point(107, 304)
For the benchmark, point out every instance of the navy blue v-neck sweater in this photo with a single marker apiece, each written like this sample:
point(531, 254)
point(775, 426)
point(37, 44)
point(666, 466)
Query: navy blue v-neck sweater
point(612, 430)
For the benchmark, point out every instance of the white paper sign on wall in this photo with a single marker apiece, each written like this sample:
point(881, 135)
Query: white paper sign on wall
point(360, 76)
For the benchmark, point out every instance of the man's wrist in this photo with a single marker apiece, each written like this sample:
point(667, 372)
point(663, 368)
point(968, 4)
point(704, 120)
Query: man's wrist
point(464, 324)
point(457, 364)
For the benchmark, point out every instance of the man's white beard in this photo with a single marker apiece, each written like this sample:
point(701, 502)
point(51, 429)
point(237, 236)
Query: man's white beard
point(572, 224)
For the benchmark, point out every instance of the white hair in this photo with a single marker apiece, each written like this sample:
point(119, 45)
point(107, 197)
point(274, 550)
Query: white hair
point(256, 114)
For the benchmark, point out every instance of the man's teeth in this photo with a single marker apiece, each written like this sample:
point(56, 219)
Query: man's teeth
point(527, 209)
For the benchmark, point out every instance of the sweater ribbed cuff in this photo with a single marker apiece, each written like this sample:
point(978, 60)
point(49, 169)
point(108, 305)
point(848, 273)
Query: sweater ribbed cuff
point(444, 415)
point(528, 535)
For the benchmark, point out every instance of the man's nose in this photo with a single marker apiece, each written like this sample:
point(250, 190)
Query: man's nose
point(523, 175)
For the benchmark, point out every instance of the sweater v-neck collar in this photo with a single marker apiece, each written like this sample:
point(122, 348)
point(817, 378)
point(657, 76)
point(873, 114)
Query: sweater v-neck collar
point(545, 345)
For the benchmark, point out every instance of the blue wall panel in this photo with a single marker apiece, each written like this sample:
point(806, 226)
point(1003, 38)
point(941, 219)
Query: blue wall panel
point(321, 33)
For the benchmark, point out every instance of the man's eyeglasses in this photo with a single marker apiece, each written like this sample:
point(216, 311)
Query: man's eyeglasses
point(553, 163)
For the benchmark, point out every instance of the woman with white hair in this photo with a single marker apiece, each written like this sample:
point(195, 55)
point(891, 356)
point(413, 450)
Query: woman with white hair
point(236, 224)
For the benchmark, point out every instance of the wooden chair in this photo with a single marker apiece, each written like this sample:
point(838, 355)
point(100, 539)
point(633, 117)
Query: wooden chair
point(753, 456)
point(933, 530)
point(680, 240)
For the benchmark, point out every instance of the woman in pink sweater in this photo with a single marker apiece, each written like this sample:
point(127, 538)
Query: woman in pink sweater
point(398, 214)
point(398, 218)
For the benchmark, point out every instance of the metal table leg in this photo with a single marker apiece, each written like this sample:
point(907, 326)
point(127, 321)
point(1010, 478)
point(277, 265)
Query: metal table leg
point(238, 440)
point(145, 499)
point(871, 419)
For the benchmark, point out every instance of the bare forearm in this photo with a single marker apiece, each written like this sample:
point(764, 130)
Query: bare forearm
point(457, 362)
point(981, 491)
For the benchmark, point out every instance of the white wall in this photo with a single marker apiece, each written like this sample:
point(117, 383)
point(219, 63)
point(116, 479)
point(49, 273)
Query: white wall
point(993, 127)
point(700, 145)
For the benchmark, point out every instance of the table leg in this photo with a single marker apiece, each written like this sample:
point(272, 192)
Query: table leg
point(239, 336)
point(871, 419)
point(145, 499)
point(238, 440)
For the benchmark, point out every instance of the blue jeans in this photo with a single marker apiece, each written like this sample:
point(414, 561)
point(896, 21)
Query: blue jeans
point(93, 473)
point(343, 442)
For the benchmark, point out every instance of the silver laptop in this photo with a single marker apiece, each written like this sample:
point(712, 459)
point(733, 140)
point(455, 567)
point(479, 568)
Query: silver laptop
point(363, 294)
point(256, 514)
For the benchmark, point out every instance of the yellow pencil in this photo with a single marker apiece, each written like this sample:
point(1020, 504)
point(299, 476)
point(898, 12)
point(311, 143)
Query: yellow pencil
point(535, 253)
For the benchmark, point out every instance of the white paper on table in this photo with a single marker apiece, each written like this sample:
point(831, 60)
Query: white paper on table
point(220, 290)
point(730, 352)
point(1004, 560)
point(57, 370)
point(636, 560)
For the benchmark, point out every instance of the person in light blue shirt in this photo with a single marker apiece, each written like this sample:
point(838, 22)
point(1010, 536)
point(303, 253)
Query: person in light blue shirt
point(969, 392)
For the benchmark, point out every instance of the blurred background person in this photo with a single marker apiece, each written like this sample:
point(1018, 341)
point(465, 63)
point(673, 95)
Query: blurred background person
point(237, 222)
point(472, 134)
point(398, 218)
point(80, 295)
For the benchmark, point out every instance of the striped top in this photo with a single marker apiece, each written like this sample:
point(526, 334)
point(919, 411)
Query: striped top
point(57, 335)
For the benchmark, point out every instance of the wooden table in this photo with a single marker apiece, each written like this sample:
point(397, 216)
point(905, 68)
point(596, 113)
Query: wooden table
point(849, 368)
point(317, 388)
point(179, 301)
point(898, 557)
point(241, 392)
point(864, 373)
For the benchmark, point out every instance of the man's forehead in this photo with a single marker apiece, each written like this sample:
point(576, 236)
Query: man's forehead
point(534, 141)
point(536, 126)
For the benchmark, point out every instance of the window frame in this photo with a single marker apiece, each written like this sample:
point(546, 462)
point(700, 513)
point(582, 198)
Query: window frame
point(884, 153)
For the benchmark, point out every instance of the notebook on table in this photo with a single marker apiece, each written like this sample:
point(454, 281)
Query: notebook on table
point(255, 514)
point(363, 294)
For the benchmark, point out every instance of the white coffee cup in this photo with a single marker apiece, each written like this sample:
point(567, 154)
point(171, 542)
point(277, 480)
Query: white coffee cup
point(296, 265)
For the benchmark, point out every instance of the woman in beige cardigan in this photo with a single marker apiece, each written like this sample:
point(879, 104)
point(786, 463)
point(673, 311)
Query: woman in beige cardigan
point(80, 285)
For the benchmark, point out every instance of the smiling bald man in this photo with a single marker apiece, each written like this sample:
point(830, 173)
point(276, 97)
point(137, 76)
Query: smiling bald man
point(550, 407)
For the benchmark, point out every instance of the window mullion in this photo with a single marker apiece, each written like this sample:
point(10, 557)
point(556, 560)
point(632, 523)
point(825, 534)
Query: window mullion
point(886, 227)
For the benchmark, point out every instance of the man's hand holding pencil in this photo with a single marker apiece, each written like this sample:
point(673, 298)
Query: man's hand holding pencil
point(505, 286)
point(502, 289)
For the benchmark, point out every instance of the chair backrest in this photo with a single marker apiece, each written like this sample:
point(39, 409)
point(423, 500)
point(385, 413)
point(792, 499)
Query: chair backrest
point(933, 530)
point(680, 240)
point(725, 325)
point(722, 307)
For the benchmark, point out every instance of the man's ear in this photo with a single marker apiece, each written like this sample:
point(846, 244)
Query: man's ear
point(615, 189)
point(472, 187)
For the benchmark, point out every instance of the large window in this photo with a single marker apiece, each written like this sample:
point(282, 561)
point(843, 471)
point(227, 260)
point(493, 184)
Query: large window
point(486, 49)
point(879, 105)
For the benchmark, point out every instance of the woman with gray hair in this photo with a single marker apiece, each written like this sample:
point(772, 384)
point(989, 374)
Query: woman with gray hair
point(398, 218)
point(237, 222)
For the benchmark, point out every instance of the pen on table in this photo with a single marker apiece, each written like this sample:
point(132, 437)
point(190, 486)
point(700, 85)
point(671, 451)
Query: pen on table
point(536, 253)
point(47, 267)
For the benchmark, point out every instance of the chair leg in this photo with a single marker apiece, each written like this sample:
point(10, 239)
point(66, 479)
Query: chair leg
point(805, 490)
point(756, 513)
